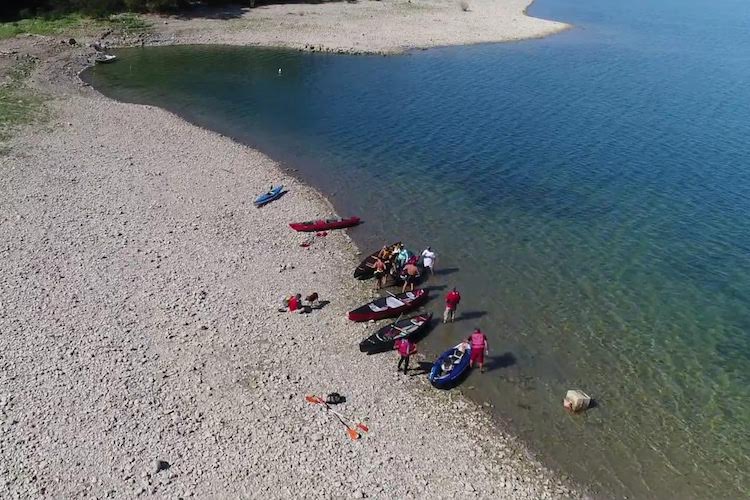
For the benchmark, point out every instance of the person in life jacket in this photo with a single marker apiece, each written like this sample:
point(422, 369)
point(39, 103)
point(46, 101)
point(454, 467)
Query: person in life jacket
point(479, 347)
point(295, 302)
point(451, 304)
point(405, 349)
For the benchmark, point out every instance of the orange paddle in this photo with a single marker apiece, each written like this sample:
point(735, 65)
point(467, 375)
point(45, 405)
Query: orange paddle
point(317, 400)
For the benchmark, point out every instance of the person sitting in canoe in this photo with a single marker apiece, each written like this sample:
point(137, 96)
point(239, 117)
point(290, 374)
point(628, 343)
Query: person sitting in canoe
point(446, 367)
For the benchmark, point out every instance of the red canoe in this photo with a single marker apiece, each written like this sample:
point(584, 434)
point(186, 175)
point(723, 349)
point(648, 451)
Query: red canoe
point(323, 225)
point(387, 307)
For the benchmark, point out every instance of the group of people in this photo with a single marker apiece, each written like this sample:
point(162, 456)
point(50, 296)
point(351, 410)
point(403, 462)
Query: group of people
point(295, 303)
point(402, 264)
point(477, 341)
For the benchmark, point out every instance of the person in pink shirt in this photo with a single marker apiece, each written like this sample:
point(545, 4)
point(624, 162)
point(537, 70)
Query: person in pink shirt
point(405, 349)
point(479, 348)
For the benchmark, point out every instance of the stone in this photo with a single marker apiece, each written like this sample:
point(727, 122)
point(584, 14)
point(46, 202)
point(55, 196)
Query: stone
point(159, 465)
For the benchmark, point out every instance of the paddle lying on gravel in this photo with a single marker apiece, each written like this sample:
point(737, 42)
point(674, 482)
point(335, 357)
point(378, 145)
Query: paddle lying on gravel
point(352, 431)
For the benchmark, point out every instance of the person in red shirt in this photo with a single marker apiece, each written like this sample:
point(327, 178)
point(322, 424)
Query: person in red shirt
point(479, 347)
point(451, 303)
point(295, 302)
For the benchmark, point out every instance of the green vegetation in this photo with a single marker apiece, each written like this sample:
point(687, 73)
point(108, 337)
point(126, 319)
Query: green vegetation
point(19, 105)
point(70, 23)
point(24, 9)
point(40, 26)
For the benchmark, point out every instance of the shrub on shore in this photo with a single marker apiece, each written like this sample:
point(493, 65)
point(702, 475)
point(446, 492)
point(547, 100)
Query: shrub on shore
point(14, 10)
point(70, 23)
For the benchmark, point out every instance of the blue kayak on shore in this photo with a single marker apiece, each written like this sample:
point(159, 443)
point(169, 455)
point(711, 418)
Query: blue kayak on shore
point(273, 194)
point(450, 367)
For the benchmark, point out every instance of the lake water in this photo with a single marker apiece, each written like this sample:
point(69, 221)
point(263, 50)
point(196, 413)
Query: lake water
point(589, 194)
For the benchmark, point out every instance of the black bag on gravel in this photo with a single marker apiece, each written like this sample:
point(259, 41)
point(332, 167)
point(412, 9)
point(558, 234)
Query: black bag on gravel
point(335, 398)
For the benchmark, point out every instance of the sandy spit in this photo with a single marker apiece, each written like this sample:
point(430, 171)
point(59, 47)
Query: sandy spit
point(367, 26)
point(141, 351)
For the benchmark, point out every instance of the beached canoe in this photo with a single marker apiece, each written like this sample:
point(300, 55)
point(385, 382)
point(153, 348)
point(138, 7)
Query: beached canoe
point(324, 224)
point(383, 339)
point(272, 194)
point(459, 364)
point(390, 306)
point(365, 270)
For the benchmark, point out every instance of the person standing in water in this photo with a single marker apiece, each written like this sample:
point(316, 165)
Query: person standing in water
point(428, 260)
point(410, 275)
point(479, 348)
point(405, 349)
point(451, 304)
point(379, 273)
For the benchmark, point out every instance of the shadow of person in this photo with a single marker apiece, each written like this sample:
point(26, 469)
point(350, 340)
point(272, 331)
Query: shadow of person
point(471, 315)
point(445, 271)
point(422, 368)
point(503, 360)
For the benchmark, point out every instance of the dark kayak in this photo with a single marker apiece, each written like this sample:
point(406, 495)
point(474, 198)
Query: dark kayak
point(365, 269)
point(272, 194)
point(390, 306)
point(457, 365)
point(383, 339)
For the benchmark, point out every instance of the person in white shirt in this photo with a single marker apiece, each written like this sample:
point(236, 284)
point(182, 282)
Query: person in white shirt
point(428, 259)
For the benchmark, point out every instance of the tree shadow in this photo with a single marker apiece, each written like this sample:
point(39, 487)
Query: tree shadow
point(504, 360)
point(468, 315)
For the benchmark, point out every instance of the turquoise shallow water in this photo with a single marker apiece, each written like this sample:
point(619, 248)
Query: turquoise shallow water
point(588, 193)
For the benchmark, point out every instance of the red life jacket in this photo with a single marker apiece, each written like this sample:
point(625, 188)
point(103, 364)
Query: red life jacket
point(405, 347)
point(478, 341)
point(293, 303)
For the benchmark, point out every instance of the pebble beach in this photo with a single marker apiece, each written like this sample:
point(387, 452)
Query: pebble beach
point(141, 346)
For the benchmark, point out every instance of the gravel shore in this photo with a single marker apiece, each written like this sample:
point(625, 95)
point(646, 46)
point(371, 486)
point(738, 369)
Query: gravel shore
point(141, 350)
point(367, 26)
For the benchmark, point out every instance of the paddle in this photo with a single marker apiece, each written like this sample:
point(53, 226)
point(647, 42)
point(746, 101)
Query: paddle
point(400, 329)
point(351, 431)
point(317, 400)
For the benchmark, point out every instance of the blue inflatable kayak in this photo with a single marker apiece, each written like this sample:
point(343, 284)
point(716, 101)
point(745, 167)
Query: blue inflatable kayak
point(450, 366)
point(268, 197)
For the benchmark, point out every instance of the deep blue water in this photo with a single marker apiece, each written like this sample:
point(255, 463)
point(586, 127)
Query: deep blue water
point(588, 192)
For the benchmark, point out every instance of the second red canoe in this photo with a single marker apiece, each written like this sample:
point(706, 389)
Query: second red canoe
point(324, 224)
